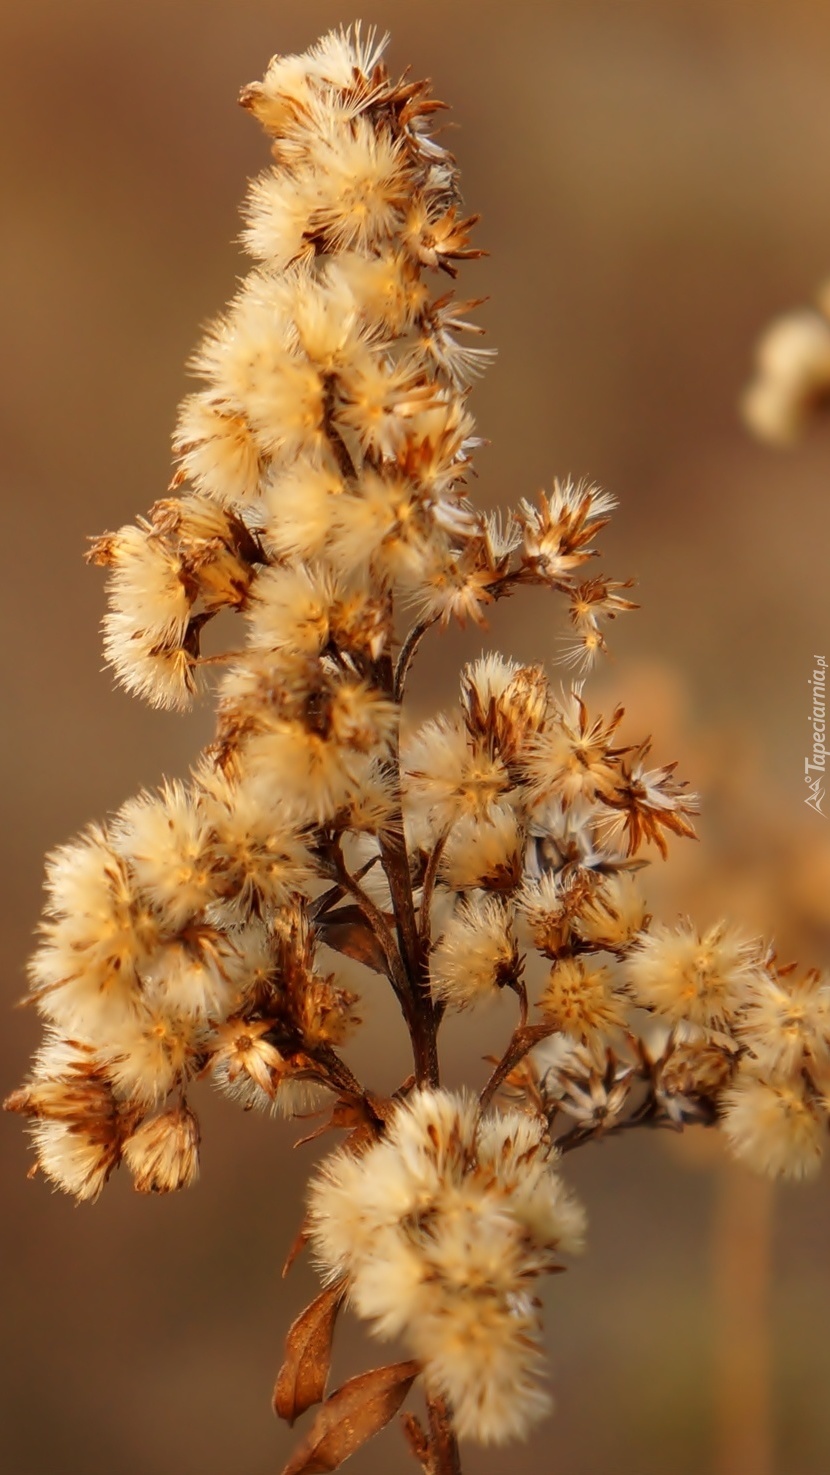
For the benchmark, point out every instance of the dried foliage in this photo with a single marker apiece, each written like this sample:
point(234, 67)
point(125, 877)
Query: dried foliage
point(791, 383)
point(321, 494)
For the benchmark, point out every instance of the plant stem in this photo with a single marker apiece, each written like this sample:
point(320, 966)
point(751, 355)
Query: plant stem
point(407, 655)
point(398, 976)
point(395, 860)
point(445, 1458)
point(430, 876)
point(521, 1043)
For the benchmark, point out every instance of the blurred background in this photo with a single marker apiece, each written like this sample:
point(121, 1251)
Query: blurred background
point(653, 184)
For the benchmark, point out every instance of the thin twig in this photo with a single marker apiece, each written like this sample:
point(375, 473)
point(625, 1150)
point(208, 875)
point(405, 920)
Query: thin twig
point(395, 861)
point(407, 654)
point(374, 916)
point(218, 659)
point(521, 1043)
point(338, 446)
point(330, 898)
point(646, 1115)
point(430, 876)
point(520, 989)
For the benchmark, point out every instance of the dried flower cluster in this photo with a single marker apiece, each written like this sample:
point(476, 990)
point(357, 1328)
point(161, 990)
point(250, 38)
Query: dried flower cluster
point(792, 373)
point(322, 495)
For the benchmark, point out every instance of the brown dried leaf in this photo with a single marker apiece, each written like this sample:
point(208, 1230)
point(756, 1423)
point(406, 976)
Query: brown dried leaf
point(361, 1408)
point(301, 1380)
point(299, 1243)
point(364, 1116)
point(347, 931)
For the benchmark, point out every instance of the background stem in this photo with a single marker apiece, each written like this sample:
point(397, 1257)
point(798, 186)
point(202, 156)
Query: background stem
point(741, 1266)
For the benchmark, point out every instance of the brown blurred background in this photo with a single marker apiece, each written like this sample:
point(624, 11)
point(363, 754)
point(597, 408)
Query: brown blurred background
point(653, 183)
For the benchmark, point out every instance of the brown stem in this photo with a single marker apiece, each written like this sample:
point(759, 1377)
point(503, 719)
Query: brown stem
point(398, 976)
point(741, 1245)
point(444, 1455)
point(423, 1023)
point(430, 876)
point(337, 1071)
point(330, 898)
point(421, 1016)
point(338, 445)
point(520, 989)
point(521, 1043)
point(407, 655)
point(646, 1115)
point(393, 852)
point(395, 860)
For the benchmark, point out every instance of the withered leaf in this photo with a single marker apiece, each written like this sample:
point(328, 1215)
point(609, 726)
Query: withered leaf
point(298, 1244)
point(347, 931)
point(301, 1380)
point(361, 1408)
point(364, 1116)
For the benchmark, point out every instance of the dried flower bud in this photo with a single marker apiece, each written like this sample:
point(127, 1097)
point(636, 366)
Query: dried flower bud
point(476, 954)
point(485, 851)
point(777, 1128)
point(582, 1001)
point(449, 775)
point(504, 704)
point(552, 907)
point(792, 376)
point(557, 532)
point(590, 1089)
point(685, 975)
point(785, 1022)
point(572, 757)
point(692, 1072)
point(163, 1155)
point(77, 1124)
point(613, 913)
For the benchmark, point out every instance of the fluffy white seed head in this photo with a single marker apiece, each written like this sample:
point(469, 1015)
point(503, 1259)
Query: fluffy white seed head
point(163, 1154)
point(442, 1228)
point(785, 1023)
point(684, 974)
point(775, 1127)
point(484, 851)
point(476, 955)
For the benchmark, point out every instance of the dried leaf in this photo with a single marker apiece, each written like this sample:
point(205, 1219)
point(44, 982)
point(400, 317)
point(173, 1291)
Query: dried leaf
point(364, 1116)
point(301, 1380)
point(347, 931)
point(361, 1408)
point(298, 1245)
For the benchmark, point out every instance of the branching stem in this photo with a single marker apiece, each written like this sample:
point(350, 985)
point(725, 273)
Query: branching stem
point(374, 916)
point(522, 1042)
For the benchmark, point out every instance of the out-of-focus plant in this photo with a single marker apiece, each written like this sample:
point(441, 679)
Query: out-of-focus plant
point(322, 495)
point(791, 382)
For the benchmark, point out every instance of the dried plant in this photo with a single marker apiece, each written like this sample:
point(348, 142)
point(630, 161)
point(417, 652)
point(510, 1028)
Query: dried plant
point(792, 373)
point(322, 495)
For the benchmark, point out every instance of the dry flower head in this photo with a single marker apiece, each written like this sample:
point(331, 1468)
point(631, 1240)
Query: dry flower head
point(322, 495)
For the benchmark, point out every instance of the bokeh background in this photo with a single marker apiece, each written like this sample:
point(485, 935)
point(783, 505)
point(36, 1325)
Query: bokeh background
point(653, 183)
